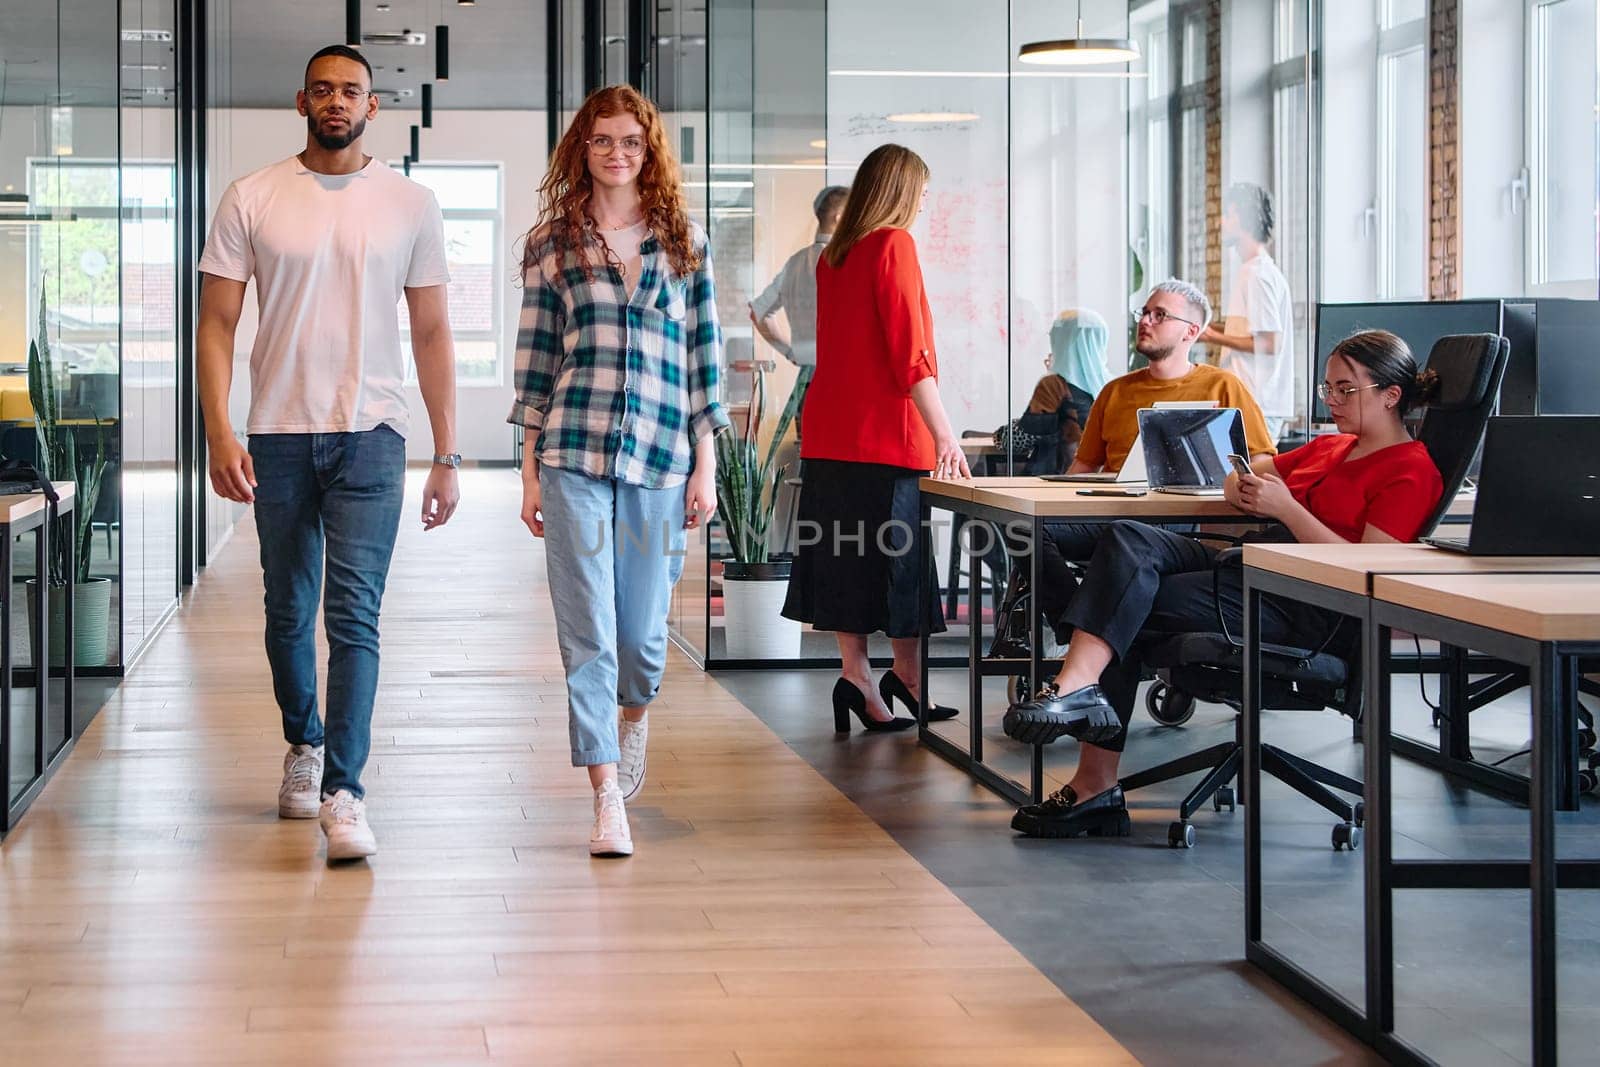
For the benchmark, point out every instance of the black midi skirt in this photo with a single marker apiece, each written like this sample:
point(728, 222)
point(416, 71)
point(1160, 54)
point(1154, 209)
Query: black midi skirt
point(858, 556)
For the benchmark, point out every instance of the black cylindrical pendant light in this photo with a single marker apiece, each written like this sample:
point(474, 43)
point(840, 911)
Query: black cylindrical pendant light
point(352, 23)
point(441, 61)
point(416, 142)
point(427, 105)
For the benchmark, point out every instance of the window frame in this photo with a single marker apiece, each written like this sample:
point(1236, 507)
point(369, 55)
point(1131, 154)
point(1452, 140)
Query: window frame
point(1395, 43)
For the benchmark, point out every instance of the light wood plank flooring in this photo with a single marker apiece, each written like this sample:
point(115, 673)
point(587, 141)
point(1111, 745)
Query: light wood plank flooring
point(153, 908)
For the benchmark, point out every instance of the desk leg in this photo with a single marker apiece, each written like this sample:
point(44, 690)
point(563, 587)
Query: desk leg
point(7, 592)
point(1548, 695)
point(41, 645)
point(926, 563)
point(1455, 714)
point(70, 652)
point(1379, 858)
point(1250, 725)
point(1035, 645)
point(974, 637)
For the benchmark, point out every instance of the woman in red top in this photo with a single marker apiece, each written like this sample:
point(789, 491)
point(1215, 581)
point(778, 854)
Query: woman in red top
point(874, 427)
point(1370, 482)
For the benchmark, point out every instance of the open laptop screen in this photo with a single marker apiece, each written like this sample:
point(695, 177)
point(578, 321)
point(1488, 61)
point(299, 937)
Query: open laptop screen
point(1190, 448)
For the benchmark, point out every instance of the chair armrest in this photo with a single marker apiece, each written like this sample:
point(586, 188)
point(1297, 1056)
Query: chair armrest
point(1230, 557)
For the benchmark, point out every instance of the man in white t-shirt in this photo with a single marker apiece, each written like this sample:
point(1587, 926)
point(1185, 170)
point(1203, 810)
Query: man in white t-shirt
point(1257, 337)
point(333, 239)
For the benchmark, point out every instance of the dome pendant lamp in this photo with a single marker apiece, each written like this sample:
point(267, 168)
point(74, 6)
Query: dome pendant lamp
point(1079, 51)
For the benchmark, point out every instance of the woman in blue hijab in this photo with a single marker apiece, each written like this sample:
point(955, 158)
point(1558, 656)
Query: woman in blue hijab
point(1061, 401)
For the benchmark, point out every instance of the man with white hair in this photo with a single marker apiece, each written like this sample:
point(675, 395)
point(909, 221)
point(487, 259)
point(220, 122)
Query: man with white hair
point(1174, 315)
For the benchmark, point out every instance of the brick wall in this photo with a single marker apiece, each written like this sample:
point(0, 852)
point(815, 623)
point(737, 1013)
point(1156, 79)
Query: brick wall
point(1213, 120)
point(1444, 148)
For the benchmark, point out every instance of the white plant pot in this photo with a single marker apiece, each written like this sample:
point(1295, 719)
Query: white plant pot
point(751, 618)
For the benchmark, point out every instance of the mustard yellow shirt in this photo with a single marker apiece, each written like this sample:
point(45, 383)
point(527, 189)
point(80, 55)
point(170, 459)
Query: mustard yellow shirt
point(1114, 421)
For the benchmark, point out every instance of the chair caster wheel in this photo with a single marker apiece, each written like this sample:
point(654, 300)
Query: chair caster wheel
point(1586, 739)
point(1346, 835)
point(1169, 706)
point(1224, 798)
point(1588, 782)
point(1180, 835)
point(1361, 815)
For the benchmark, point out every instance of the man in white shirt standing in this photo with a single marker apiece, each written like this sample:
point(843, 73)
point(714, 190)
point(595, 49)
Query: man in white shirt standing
point(794, 290)
point(1257, 337)
point(333, 239)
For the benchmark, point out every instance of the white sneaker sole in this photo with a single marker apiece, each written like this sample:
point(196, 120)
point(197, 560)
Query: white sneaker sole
point(350, 848)
point(611, 847)
point(308, 806)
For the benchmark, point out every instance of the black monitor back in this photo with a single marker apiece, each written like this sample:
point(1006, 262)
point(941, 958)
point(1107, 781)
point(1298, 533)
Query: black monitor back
point(1418, 323)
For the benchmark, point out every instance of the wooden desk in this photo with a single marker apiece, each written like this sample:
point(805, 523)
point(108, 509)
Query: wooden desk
point(1546, 623)
point(21, 514)
point(1526, 610)
point(1024, 504)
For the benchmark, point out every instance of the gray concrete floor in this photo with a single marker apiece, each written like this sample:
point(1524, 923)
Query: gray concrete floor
point(1149, 940)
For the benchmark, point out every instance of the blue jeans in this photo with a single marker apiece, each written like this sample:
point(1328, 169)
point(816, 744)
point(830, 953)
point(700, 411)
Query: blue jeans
point(327, 501)
point(613, 552)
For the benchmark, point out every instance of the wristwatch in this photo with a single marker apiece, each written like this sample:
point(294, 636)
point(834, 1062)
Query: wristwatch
point(449, 459)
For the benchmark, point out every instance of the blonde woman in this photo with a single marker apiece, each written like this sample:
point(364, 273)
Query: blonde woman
point(617, 360)
point(874, 426)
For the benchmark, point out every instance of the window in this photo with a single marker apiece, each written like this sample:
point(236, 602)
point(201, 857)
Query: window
point(1149, 143)
point(469, 198)
point(1402, 204)
point(1562, 125)
point(1192, 147)
point(1291, 160)
point(80, 255)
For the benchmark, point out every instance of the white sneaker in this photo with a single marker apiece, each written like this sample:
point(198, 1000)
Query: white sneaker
point(610, 836)
point(300, 795)
point(344, 821)
point(631, 738)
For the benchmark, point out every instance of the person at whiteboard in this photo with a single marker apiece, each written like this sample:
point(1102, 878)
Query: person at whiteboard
point(1257, 337)
point(875, 426)
point(794, 290)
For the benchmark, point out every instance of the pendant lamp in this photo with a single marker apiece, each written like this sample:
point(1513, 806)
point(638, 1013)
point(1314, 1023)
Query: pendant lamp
point(1079, 51)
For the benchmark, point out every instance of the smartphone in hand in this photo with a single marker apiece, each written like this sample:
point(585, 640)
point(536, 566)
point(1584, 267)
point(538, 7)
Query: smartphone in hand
point(1241, 466)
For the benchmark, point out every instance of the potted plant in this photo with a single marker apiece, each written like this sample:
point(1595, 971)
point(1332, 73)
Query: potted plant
point(59, 462)
point(753, 584)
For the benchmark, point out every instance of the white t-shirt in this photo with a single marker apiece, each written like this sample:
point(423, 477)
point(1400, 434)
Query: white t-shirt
point(332, 255)
point(1262, 300)
point(795, 291)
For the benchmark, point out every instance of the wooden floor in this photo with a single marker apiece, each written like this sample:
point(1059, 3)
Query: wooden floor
point(153, 908)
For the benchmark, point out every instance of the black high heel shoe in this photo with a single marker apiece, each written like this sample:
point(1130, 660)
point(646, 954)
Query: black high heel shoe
point(891, 688)
point(847, 698)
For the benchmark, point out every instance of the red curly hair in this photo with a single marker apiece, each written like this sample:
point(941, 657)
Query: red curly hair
point(564, 195)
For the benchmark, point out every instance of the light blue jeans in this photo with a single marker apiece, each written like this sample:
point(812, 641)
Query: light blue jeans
point(613, 552)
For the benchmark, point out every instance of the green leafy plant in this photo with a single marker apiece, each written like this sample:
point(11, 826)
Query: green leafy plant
point(747, 485)
point(58, 456)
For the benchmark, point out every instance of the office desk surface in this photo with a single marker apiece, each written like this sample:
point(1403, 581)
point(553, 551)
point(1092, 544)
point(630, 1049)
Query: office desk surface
point(981, 446)
point(1541, 607)
point(21, 505)
point(1065, 502)
point(1351, 567)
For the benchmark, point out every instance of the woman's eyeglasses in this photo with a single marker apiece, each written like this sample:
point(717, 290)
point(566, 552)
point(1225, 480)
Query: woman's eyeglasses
point(1161, 315)
point(321, 94)
point(632, 147)
point(1338, 394)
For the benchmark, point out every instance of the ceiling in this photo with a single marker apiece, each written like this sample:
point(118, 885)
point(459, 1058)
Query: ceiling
point(65, 50)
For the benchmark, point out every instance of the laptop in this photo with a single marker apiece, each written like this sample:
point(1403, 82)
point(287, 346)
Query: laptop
point(1186, 450)
point(1538, 489)
point(1133, 469)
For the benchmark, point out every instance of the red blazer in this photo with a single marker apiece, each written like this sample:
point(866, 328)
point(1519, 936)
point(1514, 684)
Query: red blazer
point(874, 342)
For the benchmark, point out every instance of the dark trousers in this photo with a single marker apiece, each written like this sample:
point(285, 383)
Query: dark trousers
point(1149, 580)
point(327, 510)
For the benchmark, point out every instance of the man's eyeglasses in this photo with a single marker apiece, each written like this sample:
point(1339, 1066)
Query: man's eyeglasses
point(1161, 315)
point(321, 94)
point(632, 147)
point(1338, 394)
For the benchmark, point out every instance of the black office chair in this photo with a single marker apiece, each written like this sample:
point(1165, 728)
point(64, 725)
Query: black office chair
point(1209, 666)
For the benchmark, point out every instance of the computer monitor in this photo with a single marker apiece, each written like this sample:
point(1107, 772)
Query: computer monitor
point(1418, 323)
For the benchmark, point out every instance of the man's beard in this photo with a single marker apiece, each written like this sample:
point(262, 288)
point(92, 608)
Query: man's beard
point(1152, 353)
point(332, 142)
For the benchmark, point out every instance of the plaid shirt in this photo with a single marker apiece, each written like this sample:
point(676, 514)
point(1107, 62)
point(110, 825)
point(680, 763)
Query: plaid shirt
point(617, 386)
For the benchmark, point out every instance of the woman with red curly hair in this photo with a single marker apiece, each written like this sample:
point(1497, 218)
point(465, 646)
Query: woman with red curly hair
point(617, 355)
